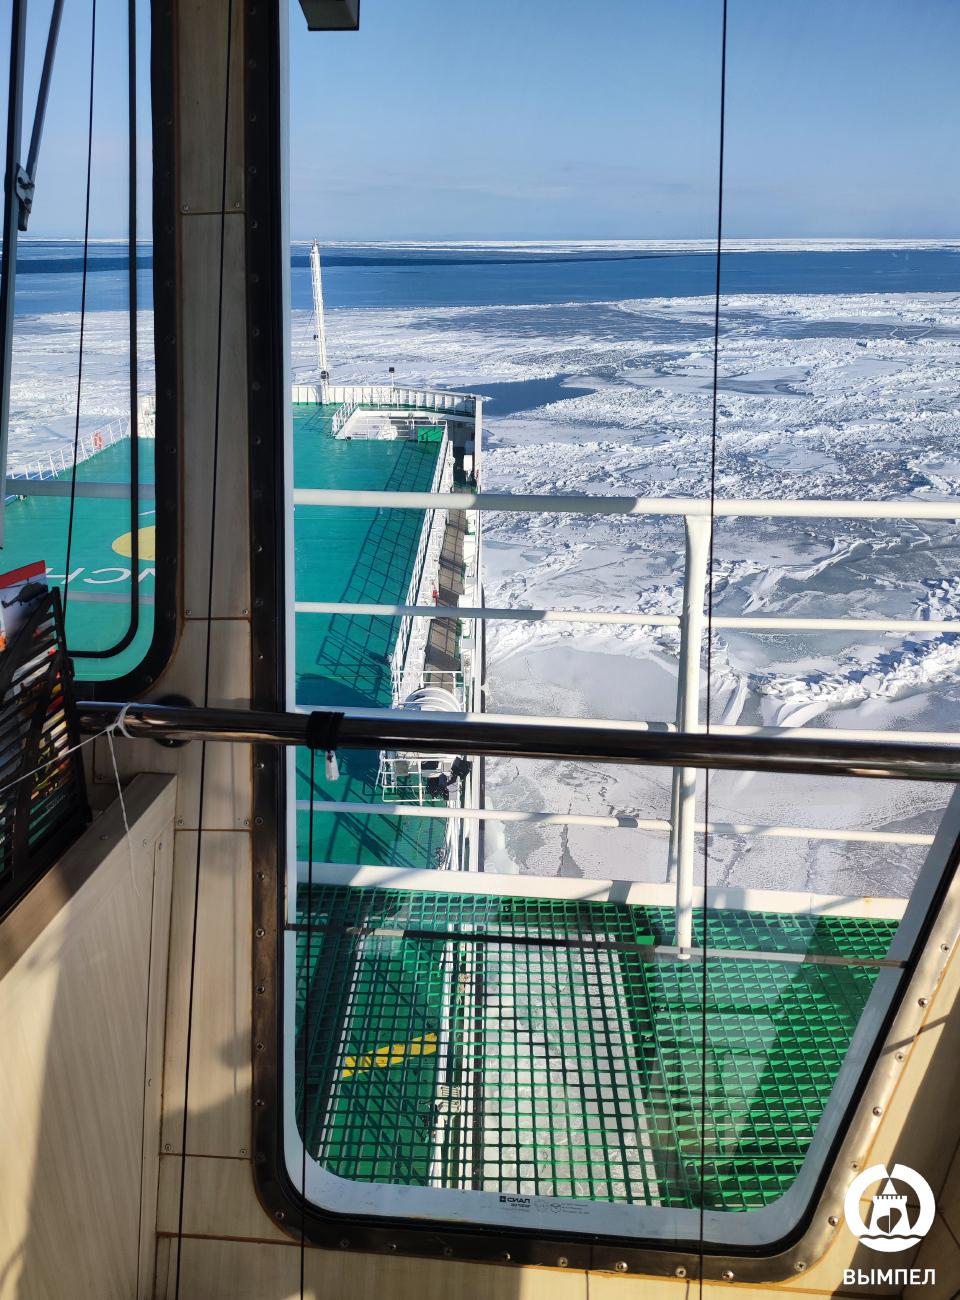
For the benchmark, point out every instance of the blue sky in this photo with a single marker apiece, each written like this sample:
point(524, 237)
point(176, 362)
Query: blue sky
point(549, 119)
point(555, 119)
point(61, 173)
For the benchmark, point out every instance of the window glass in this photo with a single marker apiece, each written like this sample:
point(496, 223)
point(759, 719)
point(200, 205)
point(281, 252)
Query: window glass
point(71, 399)
point(499, 1025)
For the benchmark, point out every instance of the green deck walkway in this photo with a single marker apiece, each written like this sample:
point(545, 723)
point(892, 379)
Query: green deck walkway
point(354, 555)
point(98, 606)
point(570, 1072)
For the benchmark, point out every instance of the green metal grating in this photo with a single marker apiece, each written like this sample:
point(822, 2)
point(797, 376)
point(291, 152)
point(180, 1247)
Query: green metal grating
point(568, 1071)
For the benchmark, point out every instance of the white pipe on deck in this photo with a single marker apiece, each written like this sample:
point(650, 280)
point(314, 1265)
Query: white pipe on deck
point(614, 822)
point(585, 505)
point(625, 619)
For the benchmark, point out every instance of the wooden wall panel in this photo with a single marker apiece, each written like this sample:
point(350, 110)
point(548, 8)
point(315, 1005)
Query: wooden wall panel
point(219, 1200)
point(252, 1271)
point(153, 1070)
point(219, 1103)
point(941, 1252)
point(75, 1031)
point(228, 781)
point(202, 65)
point(948, 1203)
point(200, 244)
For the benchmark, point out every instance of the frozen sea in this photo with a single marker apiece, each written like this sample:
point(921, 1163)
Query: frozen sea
point(839, 377)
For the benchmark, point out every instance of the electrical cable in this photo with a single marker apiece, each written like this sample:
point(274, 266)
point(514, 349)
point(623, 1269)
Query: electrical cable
point(710, 562)
point(306, 1023)
point(83, 308)
point(209, 631)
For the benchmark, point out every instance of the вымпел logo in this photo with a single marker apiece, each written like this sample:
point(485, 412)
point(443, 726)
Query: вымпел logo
point(889, 1228)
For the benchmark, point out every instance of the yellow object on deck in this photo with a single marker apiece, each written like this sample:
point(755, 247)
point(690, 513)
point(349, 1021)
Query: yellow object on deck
point(394, 1055)
point(148, 543)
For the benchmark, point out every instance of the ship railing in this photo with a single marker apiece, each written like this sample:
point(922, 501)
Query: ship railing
point(404, 778)
point(378, 396)
point(54, 463)
point(691, 624)
point(341, 415)
point(409, 653)
point(404, 783)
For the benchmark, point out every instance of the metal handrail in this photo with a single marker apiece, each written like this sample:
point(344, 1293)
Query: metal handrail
point(403, 395)
point(486, 735)
point(341, 415)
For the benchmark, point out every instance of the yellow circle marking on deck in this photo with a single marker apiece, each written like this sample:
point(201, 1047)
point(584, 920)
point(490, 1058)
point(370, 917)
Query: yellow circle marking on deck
point(148, 543)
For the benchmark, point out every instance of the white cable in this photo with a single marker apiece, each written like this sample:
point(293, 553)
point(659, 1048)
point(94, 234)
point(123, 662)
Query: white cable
point(119, 722)
point(51, 762)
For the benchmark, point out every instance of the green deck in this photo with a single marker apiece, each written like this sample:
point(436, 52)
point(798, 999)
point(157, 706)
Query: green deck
point(354, 555)
point(569, 1072)
point(98, 604)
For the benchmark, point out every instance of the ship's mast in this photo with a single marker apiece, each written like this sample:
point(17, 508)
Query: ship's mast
point(321, 334)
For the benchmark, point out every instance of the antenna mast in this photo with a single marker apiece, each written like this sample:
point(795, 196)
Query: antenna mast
point(321, 334)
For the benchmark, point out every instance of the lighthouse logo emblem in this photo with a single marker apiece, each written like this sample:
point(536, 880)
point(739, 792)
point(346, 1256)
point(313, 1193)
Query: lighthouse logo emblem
point(890, 1227)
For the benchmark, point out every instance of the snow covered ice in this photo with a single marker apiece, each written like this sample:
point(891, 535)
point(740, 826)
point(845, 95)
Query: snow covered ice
point(43, 388)
point(819, 396)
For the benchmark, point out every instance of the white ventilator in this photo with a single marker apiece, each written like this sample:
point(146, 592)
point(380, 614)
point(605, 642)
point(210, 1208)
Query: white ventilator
point(321, 334)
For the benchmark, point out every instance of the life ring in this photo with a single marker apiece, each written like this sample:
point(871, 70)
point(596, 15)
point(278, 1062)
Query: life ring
point(98, 442)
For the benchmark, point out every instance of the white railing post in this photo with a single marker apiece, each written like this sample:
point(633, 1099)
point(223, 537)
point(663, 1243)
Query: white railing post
point(684, 794)
point(477, 438)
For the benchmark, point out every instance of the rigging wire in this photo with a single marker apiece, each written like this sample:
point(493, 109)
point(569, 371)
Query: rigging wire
point(133, 307)
point(83, 307)
point(306, 1024)
point(207, 651)
point(134, 623)
point(710, 561)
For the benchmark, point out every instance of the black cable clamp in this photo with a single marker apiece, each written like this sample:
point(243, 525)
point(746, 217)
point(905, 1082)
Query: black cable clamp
point(323, 732)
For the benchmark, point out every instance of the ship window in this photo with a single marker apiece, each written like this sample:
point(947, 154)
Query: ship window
point(80, 437)
point(620, 1001)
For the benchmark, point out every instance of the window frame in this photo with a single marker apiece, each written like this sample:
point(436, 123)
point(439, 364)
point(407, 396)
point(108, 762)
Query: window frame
point(765, 1245)
point(796, 1230)
point(168, 613)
